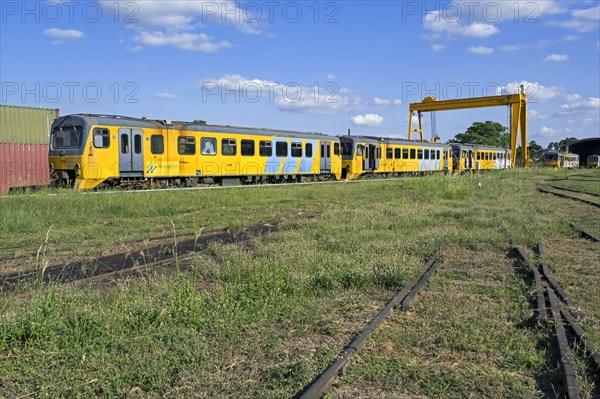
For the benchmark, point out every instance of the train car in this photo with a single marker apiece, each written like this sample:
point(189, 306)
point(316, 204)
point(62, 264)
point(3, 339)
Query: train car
point(24, 133)
point(488, 157)
point(593, 161)
point(87, 151)
point(558, 159)
point(470, 157)
point(375, 155)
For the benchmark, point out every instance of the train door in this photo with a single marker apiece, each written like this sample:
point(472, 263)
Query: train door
point(131, 152)
point(445, 158)
point(325, 156)
point(469, 155)
point(376, 151)
point(367, 158)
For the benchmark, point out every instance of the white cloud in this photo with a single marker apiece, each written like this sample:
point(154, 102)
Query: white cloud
point(510, 47)
point(481, 50)
point(326, 100)
point(556, 58)
point(177, 23)
point(64, 34)
point(185, 41)
point(386, 103)
point(571, 38)
point(582, 20)
point(330, 76)
point(367, 120)
point(165, 96)
point(479, 18)
point(438, 47)
point(577, 104)
point(535, 91)
point(533, 114)
point(548, 131)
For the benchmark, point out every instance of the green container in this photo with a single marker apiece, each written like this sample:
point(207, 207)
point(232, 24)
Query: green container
point(26, 125)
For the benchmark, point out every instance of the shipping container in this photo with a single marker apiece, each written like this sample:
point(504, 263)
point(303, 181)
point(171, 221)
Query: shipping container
point(24, 139)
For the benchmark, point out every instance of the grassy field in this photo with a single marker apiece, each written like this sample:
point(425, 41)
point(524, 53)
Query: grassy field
point(261, 318)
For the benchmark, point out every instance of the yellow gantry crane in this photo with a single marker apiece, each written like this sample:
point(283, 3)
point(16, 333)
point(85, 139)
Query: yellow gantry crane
point(517, 102)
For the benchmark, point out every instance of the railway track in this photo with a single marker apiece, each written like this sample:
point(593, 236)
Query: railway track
point(323, 383)
point(575, 191)
point(585, 234)
point(592, 203)
point(88, 269)
point(554, 311)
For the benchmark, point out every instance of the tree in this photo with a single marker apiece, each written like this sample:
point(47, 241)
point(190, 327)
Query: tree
point(535, 151)
point(484, 133)
point(561, 145)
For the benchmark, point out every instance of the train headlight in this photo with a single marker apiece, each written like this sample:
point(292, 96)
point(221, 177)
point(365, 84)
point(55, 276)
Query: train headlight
point(51, 168)
point(76, 169)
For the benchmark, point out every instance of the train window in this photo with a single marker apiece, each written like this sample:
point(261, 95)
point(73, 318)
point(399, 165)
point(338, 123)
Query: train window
point(265, 148)
point(405, 153)
point(137, 143)
point(186, 145)
point(101, 138)
point(413, 153)
point(389, 153)
point(336, 148)
point(346, 148)
point(328, 151)
point(228, 147)
point(426, 154)
point(157, 144)
point(366, 151)
point(378, 152)
point(208, 146)
point(247, 148)
point(397, 153)
point(478, 156)
point(438, 153)
point(281, 149)
point(124, 144)
point(419, 154)
point(296, 149)
point(308, 150)
point(359, 150)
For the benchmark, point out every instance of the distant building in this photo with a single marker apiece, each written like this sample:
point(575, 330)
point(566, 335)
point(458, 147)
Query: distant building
point(585, 147)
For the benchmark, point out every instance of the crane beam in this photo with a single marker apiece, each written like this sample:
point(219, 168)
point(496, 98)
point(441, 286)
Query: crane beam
point(517, 102)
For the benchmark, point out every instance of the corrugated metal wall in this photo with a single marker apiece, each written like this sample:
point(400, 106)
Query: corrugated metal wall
point(24, 138)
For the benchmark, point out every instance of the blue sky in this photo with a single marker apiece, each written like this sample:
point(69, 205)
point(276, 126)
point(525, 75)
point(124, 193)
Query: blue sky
point(312, 66)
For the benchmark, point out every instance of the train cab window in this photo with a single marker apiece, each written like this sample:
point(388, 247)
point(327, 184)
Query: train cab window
point(157, 144)
point(346, 149)
point(228, 147)
point(359, 150)
point(413, 153)
point(397, 153)
point(281, 149)
point(296, 149)
point(389, 152)
point(101, 138)
point(186, 145)
point(405, 153)
point(426, 154)
point(336, 148)
point(247, 148)
point(265, 148)
point(308, 150)
point(208, 146)
point(419, 154)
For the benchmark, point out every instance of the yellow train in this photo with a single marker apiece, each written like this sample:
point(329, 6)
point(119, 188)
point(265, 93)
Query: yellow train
point(470, 157)
point(593, 161)
point(87, 151)
point(91, 151)
point(558, 159)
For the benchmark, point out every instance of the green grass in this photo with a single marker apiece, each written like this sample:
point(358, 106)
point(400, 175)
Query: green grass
point(262, 318)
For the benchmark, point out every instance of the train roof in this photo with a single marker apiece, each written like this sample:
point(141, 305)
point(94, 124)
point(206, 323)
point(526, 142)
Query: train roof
point(479, 147)
point(391, 140)
point(117, 120)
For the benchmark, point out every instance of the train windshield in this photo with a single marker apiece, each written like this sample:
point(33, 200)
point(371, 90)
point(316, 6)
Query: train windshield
point(347, 150)
point(66, 137)
point(550, 156)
